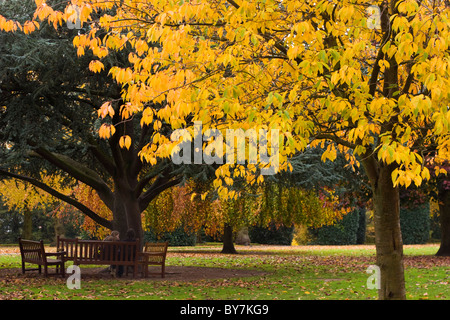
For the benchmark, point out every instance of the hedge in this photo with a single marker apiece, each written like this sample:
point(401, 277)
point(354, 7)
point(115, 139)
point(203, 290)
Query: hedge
point(415, 224)
point(178, 237)
point(344, 232)
point(272, 234)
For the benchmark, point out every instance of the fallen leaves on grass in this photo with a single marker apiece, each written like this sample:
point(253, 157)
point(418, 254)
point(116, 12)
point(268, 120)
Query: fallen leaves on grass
point(289, 275)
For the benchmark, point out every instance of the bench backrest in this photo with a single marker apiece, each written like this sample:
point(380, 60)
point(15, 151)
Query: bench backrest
point(32, 251)
point(67, 245)
point(155, 248)
point(158, 247)
point(101, 252)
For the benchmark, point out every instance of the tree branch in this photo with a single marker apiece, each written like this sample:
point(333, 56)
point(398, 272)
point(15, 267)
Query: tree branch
point(156, 189)
point(81, 173)
point(386, 28)
point(147, 178)
point(371, 168)
point(338, 140)
point(106, 162)
point(88, 212)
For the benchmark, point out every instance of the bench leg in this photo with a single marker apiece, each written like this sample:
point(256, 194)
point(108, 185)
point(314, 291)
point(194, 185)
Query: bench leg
point(127, 268)
point(61, 270)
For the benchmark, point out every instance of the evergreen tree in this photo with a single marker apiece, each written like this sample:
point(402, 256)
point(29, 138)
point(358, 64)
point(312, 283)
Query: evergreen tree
point(49, 121)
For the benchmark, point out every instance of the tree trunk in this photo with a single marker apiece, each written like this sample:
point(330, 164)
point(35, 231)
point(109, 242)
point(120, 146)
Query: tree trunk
point(59, 228)
point(228, 246)
point(388, 238)
point(127, 214)
point(444, 214)
point(134, 220)
point(27, 231)
point(119, 215)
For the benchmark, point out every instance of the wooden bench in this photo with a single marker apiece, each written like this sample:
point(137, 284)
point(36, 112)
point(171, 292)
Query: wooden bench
point(34, 252)
point(154, 254)
point(96, 252)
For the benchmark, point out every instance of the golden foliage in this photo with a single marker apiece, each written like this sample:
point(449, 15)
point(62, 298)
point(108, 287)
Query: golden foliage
point(181, 207)
point(21, 196)
point(322, 69)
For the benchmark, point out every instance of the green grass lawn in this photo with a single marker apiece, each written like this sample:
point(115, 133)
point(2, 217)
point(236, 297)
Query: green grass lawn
point(292, 273)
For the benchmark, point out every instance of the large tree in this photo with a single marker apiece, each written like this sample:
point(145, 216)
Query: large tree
point(371, 81)
point(49, 123)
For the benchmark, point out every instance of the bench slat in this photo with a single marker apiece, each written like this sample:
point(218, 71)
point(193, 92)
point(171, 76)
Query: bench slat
point(102, 252)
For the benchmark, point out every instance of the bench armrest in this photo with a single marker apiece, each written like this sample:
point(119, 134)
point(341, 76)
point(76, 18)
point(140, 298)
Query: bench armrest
point(59, 253)
point(155, 254)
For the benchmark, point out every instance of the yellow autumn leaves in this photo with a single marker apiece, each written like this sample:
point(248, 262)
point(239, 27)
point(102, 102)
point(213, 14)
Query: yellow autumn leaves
point(22, 196)
point(44, 11)
point(303, 67)
point(96, 66)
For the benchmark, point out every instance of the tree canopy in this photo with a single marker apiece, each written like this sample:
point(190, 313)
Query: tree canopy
point(370, 79)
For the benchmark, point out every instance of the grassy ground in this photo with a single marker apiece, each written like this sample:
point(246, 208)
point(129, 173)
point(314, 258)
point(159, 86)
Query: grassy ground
point(292, 273)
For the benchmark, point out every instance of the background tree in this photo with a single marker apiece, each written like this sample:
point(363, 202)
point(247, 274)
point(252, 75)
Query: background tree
point(444, 216)
point(439, 189)
point(10, 225)
point(196, 207)
point(24, 198)
point(89, 198)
